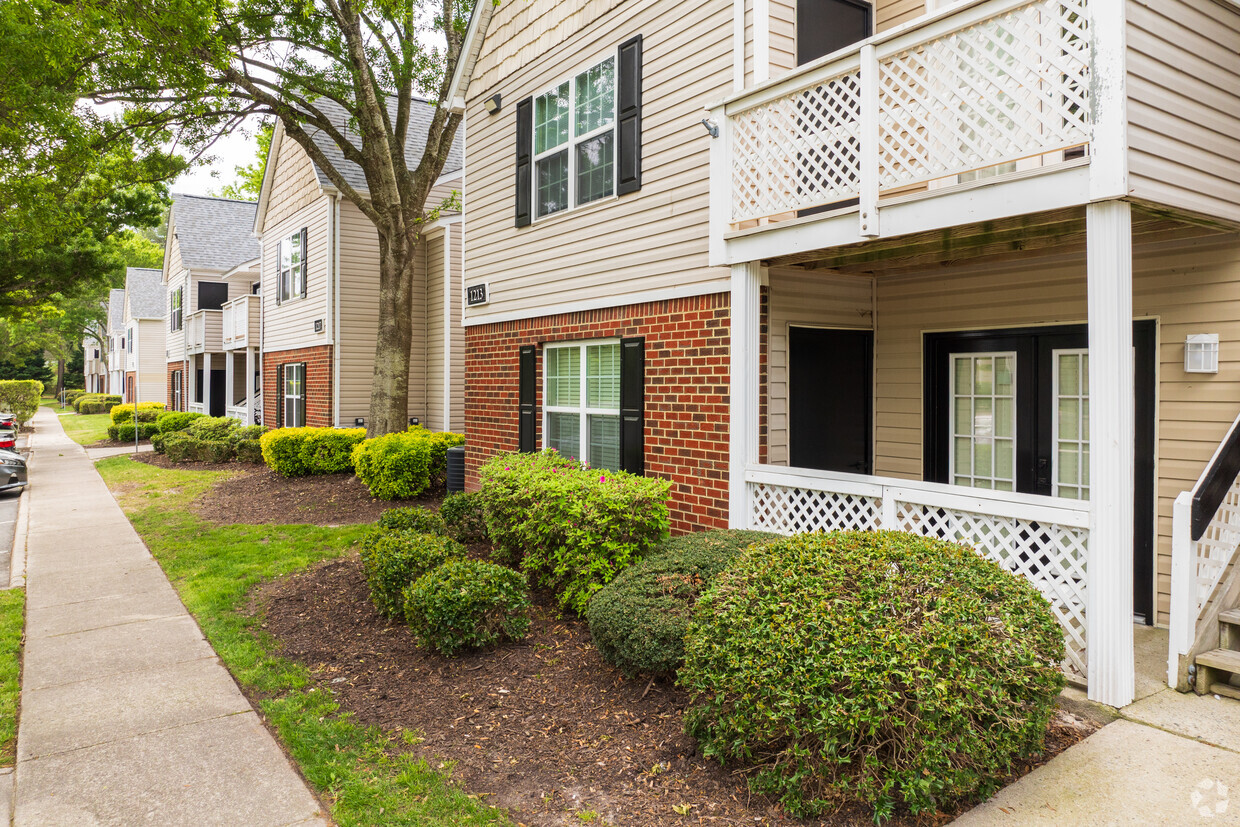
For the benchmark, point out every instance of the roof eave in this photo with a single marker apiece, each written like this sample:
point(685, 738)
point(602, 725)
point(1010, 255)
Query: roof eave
point(471, 48)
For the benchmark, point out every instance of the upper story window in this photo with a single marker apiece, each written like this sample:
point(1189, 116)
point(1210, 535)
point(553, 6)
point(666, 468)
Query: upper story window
point(175, 314)
point(292, 261)
point(128, 349)
point(580, 141)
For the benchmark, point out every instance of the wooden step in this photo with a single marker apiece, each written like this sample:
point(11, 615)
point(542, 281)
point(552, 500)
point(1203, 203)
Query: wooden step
point(1231, 616)
point(1226, 690)
point(1226, 660)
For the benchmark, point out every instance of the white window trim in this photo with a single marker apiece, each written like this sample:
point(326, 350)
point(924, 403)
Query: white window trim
point(573, 141)
point(1081, 443)
point(953, 396)
point(582, 410)
point(285, 396)
point(296, 291)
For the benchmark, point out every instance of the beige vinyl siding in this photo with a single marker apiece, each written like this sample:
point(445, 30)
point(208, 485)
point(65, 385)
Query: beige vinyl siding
point(615, 249)
point(800, 297)
point(174, 277)
point(898, 12)
point(1184, 125)
point(294, 185)
point(290, 324)
point(152, 364)
point(783, 40)
point(359, 318)
point(435, 331)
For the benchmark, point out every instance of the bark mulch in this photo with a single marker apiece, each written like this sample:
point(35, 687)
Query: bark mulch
point(256, 495)
point(545, 727)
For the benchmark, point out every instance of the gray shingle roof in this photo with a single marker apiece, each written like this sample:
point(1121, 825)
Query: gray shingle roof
point(145, 289)
point(214, 233)
point(116, 309)
point(420, 114)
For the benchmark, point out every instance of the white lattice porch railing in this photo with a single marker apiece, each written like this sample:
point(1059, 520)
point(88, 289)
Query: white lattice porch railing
point(1044, 539)
point(990, 83)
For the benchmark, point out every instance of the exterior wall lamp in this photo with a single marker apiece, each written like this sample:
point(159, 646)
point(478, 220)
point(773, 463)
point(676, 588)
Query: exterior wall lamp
point(493, 103)
point(1201, 353)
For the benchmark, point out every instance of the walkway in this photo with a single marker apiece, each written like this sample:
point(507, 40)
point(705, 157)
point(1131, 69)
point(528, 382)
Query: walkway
point(127, 715)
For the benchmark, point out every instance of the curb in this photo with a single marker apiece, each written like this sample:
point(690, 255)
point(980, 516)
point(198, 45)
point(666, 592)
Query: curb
point(17, 559)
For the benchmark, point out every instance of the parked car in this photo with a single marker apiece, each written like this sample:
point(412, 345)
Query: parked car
point(12, 471)
point(8, 420)
point(8, 437)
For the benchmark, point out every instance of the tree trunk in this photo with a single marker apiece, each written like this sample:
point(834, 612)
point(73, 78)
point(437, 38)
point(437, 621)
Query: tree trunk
point(389, 391)
point(60, 376)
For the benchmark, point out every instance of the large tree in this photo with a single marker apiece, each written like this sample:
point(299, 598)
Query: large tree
point(197, 69)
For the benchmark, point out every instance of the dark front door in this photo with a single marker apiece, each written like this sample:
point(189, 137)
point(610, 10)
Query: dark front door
point(219, 393)
point(1009, 410)
point(830, 399)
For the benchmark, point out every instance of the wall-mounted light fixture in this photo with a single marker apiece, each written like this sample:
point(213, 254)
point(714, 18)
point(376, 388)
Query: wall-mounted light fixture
point(413, 420)
point(360, 422)
point(1201, 353)
point(711, 127)
point(493, 103)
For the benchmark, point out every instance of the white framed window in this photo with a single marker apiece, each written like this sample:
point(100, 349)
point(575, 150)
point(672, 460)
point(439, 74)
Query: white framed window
point(129, 342)
point(575, 140)
point(983, 420)
point(177, 314)
point(1070, 472)
point(292, 278)
point(176, 390)
point(294, 395)
point(581, 393)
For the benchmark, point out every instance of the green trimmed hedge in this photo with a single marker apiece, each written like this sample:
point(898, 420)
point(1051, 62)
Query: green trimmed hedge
point(301, 452)
point(212, 428)
point(124, 431)
point(402, 465)
point(170, 421)
point(181, 447)
point(21, 397)
point(72, 395)
point(95, 403)
point(147, 412)
point(414, 518)
point(462, 514)
point(573, 529)
point(467, 604)
point(393, 560)
point(249, 450)
point(638, 621)
point(880, 667)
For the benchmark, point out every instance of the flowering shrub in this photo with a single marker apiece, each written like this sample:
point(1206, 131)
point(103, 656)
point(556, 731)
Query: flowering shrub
point(301, 452)
point(571, 528)
point(395, 559)
point(402, 465)
point(467, 604)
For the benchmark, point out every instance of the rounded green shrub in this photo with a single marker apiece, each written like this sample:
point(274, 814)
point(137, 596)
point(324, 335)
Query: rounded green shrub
point(157, 442)
point(181, 447)
point(216, 450)
point(212, 428)
point(123, 432)
point(72, 395)
point(299, 452)
point(467, 604)
point(462, 513)
point(170, 421)
point(413, 518)
point(250, 432)
point(638, 621)
point(249, 450)
point(882, 667)
point(402, 465)
point(147, 412)
point(395, 559)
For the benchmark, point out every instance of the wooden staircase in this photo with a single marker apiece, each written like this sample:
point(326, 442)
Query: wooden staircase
point(1218, 671)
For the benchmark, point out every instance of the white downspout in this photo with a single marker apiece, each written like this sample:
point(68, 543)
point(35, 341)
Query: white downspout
point(335, 314)
point(447, 327)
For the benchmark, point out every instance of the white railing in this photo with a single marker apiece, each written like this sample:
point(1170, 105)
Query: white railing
point(240, 322)
point(1044, 539)
point(987, 84)
point(197, 407)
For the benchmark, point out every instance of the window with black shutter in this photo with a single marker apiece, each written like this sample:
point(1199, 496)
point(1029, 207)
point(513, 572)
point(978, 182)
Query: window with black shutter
point(527, 397)
point(593, 404)
point(633, 405)
point(293, 388)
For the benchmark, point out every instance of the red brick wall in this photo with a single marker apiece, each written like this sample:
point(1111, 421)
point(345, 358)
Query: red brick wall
point(318, 384)
point(131, 380)
point(172, 366)
point(686, 393)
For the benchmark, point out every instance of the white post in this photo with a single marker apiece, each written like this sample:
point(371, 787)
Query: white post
point(761, 41)
point(1183, 601)
point(206, 383)
point(229, 357)
point(720, 186)
point(868, 162)
point(1111, 392)
point(1108, 99)
point(249, 386)
point(743, 408)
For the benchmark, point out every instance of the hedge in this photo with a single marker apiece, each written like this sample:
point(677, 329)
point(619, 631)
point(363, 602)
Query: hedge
point(147, 412)
point(416, 519)
point(467, 604)
point(402, 465)
point(300, 452)
point(21, 397)
point(72, 395)
point(395, 559)
point(170, 421)
point(572, 528)
point(212, 428)
point(95, 403)
point(462, 514)
point(124, 431)
point(882, 667)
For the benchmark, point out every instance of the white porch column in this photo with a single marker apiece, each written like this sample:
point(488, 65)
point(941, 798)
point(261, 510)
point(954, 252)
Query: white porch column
point(743, 408)
point(229, 359)
point(1111, 394)
point(206, 383)
point(249, 386)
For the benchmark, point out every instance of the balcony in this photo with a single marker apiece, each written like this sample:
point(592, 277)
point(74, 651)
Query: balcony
point(241, 322)
point(904, 131)
point(204, 332)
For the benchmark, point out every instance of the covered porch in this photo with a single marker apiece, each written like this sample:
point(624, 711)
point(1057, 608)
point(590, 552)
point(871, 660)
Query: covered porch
point(944, 384)
point(217, 385)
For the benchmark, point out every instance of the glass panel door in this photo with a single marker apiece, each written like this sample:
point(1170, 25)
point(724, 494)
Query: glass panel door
point(1070, 460)
point(983, 420)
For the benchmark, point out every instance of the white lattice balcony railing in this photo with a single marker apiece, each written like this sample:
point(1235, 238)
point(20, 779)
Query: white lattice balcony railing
point(988, 84)
point(1044, 539)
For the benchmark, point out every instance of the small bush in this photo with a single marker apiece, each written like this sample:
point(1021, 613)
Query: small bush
point(249, 450)
point(416, 519)
point(170, 421)
point(462, 513)
point(216, 450)
point(467, 604)
point(181, 447)
point(403, 465)
point(95, 403)
point(72, 395)
point(212, 428)
point(888, 668)
point(638, 621)
point(20, 397)
point(247, 432)
point(300, 452)
point(393, 560)
point(572, 528)
point(157, 442)
point(124, 431)
point(147, 412)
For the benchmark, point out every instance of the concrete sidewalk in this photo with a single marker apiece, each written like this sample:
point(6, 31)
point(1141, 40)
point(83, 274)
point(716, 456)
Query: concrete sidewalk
point(127, 715)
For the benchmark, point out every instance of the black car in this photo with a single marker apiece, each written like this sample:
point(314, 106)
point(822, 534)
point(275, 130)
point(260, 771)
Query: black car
point(12, 471)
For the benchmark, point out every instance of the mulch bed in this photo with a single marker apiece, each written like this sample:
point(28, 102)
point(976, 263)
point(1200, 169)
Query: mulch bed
point(256, 495)
point(544, 728)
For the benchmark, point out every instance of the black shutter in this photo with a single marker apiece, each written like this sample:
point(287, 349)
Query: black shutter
point(301, 391)
point(279, 271)
point(629, 117)
point(279, 395)
point(525, 160)
point(528, 399)
point(633, 405)
point(305, 262)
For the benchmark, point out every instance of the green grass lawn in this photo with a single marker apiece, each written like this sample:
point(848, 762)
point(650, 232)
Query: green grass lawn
point(12, 623)
point(214, 567)
point(86, 429)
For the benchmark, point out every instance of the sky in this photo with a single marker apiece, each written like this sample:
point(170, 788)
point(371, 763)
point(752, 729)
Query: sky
point(236, 150)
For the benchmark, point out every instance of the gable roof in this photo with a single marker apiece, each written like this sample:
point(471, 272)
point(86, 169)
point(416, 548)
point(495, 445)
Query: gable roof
point(420, 116)
point(144, 292)
point(116, 308)
point(214, 233)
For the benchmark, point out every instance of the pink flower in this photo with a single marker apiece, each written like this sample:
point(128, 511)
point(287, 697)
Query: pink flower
point(602, 479)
